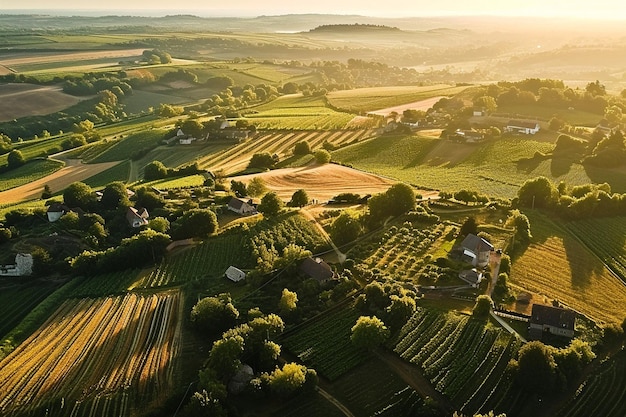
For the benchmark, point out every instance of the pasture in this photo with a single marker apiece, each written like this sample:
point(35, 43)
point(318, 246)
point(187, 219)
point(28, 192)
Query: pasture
point(557, 266)
point(362, 100)
point(29, 172)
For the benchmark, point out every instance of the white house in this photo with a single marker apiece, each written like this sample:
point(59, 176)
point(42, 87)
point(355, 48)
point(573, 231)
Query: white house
point(554, 320)
point(23, 266)
point(476, 250)
point(55, 211)
point(472, 277)
point(523, 127)
point(137, 218)
point(235, 274)
point(240, 206)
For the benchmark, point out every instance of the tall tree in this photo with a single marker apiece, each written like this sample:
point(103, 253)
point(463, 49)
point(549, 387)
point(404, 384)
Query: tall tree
point(15, 159)
point(271, 204)
point(79, 194)
point(369, 332)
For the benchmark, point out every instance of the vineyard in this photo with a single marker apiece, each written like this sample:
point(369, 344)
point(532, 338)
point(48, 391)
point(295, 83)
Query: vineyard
point(236, 158)
point(105, 284)
point(206, 261)
point(605, 237)
point(180, 182)
point(130, 145)
point(557, 266)
point(601, 394)
point(292, 228)
point(463, 358)
point(95, 357)
point(16, 303)
point(117, 172)
point(298, 112)
point(325, 344)
point(399, 251)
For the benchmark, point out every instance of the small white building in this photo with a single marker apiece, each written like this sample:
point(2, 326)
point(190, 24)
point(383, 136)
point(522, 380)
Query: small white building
point(523, 127)
point(137, 218)
point(55, 211)
point(23, 266)
point(241, 206)
point(235, 274)
point(476, 250)
point(472, 276)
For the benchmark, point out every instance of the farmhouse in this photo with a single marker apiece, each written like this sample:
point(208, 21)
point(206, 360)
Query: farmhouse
point(137, 218)
point(240, 206)
point(23, 266)
point(316, 269)
point(476, 250)
point(470, 136)
point(553, 320)
point(235, 274)
point(55, 211)
point(471, 276)
point(523, 127)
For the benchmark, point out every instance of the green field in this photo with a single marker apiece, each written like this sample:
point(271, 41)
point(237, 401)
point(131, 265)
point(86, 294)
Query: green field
point(557, 266)
point(180, 182)
point(141, 101)
point(31, 171)
point(119, 172)
point(38, 148)
point(17, 301)
point(573, 117)
point(27, 205)
point(362, 100)
point(130, 145)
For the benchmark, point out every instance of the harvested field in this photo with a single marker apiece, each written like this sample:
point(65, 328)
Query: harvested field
point(24, 58)
point(21, 100)
point(321, 182)
point(57, 181)
point(417, 105)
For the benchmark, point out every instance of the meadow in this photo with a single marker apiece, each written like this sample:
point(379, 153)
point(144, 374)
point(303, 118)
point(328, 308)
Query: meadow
point(557, 266)
point(31, 171)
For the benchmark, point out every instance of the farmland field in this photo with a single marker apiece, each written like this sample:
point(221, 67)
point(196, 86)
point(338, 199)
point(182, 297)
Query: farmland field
point(463, 358)
point(21, 100)
point(606, 238)
point(106, 284)
point(119, 172)
point(180, 182)
point(17, 301)
point(95, 357)
point(57, 181)
point(37, 148)
point(29, 172)
point(376, 98)
point(130, 145)
point(236, 157)
point(557, 266)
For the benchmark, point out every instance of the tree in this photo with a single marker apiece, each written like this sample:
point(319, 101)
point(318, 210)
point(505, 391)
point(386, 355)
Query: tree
point(47, 192)
point(225, 356)
point(15, 159)
point(470, 225)
point(483, 306)
point(401, 198)
point(192, 127)
point(262, 160)
point(79, 194)
point(288, 301)
point(288, 380)
point(302, 148)
point(148, 199)
point(195, 223)
point(239, 188)
point(271, 204)
point(159, 224)
point(486, 102)
point(155, 170)
point(115, 195)
point(596, 89)
point(399, 311)
point(538, 192)
point(214, 314)
point(521, 224)
point(345, 228)
point(536, 371)
point(299, 199)
point(166, 110)
point(322, 156)
point(257, 187)
point(369, 332)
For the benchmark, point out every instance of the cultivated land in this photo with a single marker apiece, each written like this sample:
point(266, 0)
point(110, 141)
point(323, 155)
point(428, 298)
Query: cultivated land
point(57, 181)
point(321, 182)
point(21, 100)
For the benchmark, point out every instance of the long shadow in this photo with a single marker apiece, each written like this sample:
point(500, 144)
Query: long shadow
point(560, 166)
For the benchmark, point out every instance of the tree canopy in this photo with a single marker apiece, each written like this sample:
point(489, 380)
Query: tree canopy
point(79, 194)
point(300, 198)
point(271, 204)
point(369, 332)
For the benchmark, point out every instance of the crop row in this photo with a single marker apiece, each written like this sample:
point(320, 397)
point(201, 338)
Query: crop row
point(325, 344)
point(92, 348)
point(16, 303)
point(462, 357)
point(290, 229)
point(208, 260)
point(105, 284)
point(603, 393)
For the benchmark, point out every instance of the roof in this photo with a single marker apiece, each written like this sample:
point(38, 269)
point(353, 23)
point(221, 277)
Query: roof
point(57, 208)
point(553, 316)
point(236, 203)
point(476, 244)
point(522, 124)
point(316, 269)
point(235, 274)
point(471, 276)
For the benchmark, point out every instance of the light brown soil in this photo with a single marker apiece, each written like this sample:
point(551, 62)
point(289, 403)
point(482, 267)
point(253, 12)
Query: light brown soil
point(21, 58)
point(417, 105)
point(321, 182)
point(21, 100)
point(57, 181)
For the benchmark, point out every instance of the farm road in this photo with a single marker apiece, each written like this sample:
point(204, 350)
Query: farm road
point(335, 402)
point(341, 257)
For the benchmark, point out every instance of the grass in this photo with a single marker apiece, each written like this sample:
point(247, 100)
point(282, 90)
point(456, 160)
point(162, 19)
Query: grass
point(180, 182)
point(557, 266)
point(38, 148)
point(573, 117)
point(118, 172)
point(27, 205)
point(376, 98)
point(130, 145)
point(141, 101)
point(29, 172)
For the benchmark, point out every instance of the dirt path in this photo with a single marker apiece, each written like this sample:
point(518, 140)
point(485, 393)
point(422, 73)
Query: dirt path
point(335, 402)
point(412, 376)
point(341, 257)
point(417, 105)
point(57, 181)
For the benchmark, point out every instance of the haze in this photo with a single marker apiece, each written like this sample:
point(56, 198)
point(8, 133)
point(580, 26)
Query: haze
point(603, 9)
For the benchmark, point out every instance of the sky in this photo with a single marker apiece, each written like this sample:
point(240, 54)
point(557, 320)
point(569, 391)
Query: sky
point(610, 9)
